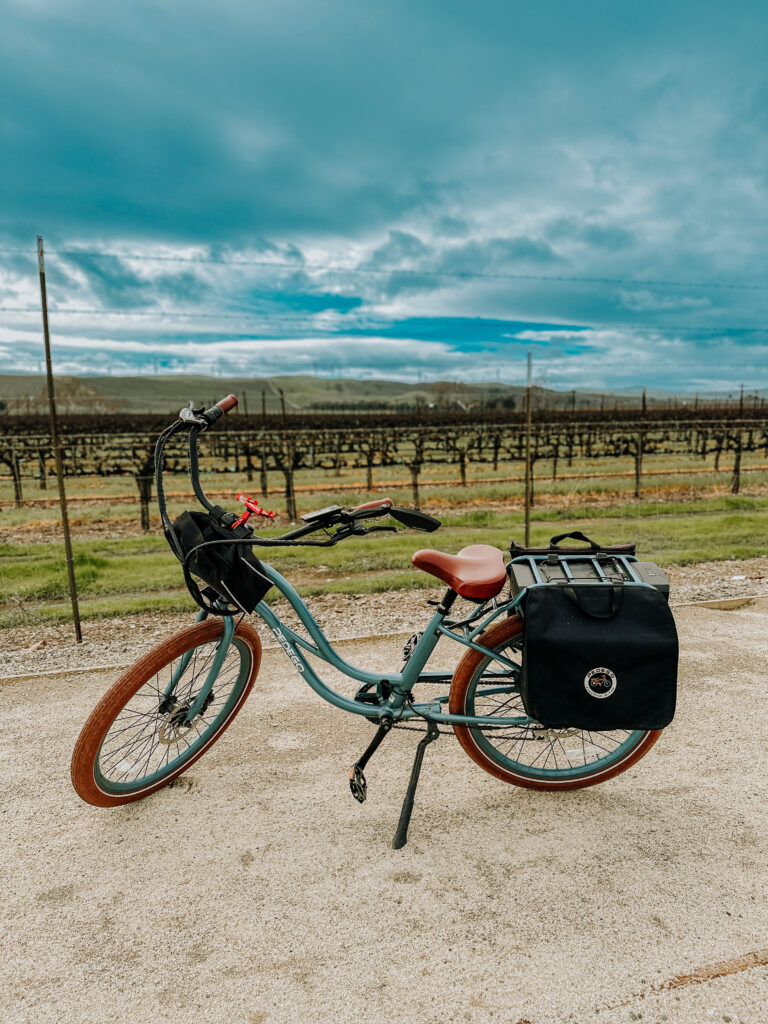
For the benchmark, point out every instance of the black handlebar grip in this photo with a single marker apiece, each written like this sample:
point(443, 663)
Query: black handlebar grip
point(414, 519)
point(217, 411)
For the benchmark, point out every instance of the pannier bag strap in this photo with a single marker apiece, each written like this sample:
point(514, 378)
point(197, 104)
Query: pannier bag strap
point(596, 601)
point(554, 548)
point(576, 535)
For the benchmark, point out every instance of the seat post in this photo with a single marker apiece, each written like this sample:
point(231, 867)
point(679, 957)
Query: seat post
point(420, 654)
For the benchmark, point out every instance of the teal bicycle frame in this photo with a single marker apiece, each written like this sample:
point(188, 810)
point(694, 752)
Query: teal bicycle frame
point(386, 699)
point(399, 705)
point(397, 702)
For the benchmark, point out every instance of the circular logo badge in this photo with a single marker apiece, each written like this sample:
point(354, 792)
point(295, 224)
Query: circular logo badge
point(600, 682)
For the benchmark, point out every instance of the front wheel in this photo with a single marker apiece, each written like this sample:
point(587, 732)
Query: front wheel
point(529, 755)
point(137, 738)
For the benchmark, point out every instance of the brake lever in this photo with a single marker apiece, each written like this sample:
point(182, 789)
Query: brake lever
point(191, 417)
point(354, 530)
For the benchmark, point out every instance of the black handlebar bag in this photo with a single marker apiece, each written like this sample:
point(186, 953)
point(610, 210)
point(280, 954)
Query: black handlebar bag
point(599, 657)
point(230, 568)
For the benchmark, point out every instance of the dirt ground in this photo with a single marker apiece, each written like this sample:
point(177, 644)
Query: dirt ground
point(256, 891)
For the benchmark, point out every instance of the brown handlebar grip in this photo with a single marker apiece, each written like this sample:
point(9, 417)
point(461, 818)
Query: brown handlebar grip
point(227, 404)
point(380, 503)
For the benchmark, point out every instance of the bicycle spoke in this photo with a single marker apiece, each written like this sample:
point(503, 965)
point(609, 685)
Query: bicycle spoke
point(145, 741)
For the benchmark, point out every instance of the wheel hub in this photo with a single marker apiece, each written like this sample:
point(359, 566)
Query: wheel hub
point(174, 727)
point(554, 734)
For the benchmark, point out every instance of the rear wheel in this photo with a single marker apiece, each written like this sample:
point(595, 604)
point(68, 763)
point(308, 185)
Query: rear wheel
point(137, 739)
point(529, 755)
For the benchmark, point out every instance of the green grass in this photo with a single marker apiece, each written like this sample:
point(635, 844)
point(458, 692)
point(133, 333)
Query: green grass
point(139, 574)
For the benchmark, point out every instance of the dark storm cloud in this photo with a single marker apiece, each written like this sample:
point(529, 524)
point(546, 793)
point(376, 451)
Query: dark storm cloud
point(285, 119)
point(407, 140)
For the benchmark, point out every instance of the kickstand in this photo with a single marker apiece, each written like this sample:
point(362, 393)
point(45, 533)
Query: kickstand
point(401, 835)
point(357, 781)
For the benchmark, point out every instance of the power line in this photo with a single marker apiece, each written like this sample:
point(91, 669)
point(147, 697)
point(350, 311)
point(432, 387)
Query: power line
point(155, 312)
point(408, 272)
point(293, 317)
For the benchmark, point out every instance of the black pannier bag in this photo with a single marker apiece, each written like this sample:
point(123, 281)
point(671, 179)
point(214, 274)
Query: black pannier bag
point(599, 656)
point(232, 570)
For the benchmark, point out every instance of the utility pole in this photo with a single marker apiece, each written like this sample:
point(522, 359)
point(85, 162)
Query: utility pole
point(282, 403)
point(245, 403)
point(528, 456)
point(57, 446)
point(263, 408)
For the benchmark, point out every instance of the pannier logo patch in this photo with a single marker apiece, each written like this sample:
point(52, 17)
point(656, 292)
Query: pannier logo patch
point(600, 682)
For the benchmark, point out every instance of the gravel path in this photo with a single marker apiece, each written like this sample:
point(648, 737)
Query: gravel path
point(255, 891)
point(32, 649)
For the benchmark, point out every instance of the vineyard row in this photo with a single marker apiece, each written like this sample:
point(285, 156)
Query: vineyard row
point(264, 451)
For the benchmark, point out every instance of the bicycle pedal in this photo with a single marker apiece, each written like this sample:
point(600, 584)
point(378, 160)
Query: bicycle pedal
point(358, 784)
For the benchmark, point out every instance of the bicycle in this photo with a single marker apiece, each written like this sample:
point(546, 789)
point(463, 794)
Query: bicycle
point(168, 708)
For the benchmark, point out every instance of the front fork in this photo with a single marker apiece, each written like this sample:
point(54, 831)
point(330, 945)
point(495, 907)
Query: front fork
point(221, 653)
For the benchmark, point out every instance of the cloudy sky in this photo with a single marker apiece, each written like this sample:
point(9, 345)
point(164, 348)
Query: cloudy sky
point(414, 189)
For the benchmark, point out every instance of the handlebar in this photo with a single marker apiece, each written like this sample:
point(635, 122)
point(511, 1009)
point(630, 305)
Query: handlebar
point(204, 418)
point(196, 420)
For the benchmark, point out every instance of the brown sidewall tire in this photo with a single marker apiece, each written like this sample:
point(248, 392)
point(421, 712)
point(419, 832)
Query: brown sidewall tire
point(492, 638)
point(115, 699)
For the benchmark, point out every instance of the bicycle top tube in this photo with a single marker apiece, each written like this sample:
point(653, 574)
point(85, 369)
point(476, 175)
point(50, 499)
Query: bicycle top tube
point(400, 705)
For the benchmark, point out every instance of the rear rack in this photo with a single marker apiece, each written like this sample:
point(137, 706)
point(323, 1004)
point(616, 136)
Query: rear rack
point(625, 561)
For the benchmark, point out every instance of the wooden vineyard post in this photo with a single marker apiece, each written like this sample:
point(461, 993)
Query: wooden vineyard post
point(290, 497)
point(18, 492)
point(528, 487)
point(144, 484)
point(718, 451)
point(463, 468)
point(57, 446)
point(414, 468)
point(248, 462)
point(736, 478)
point(143, 473)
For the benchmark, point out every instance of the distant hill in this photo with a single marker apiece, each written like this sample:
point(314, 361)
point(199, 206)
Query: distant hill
point(26, 393)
